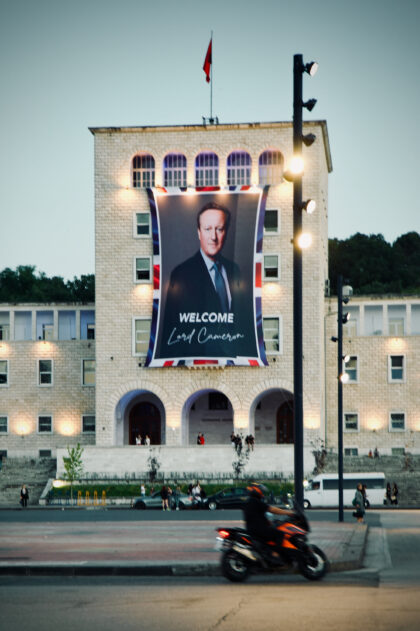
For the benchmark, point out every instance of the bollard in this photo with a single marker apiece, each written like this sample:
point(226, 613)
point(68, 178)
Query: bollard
point(95, 498)
point(103, 501)
point(87, 498)
point(79, 498)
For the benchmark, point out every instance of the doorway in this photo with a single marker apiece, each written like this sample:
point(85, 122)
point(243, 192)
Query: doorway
point(285, 424)
point(145, 419)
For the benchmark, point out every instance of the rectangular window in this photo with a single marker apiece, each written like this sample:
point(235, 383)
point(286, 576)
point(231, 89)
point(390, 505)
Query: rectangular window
point(142, 270)
point(4, 372)
point(45, 372)
point(88, 424)
point(397, 422)
point(141, 335)
point(44, 424)
point(351, 451)
point(351, 422)
point(350, 369)
point(271, 267)
point(415, 319)
point(87, 322)
point(44, 325)
point(4, 325)
point(397, 451)
point(271, 222)
point(4, 425)
point(271, 329)
point(66, 325)
point(351, 327)
point(396, 320)
point(45, 453)
point(396, 368)
point(373, 320)
point(90, 330)
point(142, 225)
point(88, 368)
point(23, 325)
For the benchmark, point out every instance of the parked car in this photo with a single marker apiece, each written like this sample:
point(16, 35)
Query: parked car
point(234, 497)
point(155, 501)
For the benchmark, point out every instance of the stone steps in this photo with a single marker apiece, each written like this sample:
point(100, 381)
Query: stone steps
point(35, 473)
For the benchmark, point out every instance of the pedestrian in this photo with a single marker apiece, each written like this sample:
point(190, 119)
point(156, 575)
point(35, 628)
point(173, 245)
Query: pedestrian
point(176, 495)
point(199, 438)
point(138, 440)
point(370, 454)
point(164, 493)
point(394, 494)
point(376, 453)
point(143, 490)
point(202, 439)
point(238, 444)
point(251, 441)
point(147, 440)
point(359, 504)
point(388, 494)
point(24, 496)
point(232, 439)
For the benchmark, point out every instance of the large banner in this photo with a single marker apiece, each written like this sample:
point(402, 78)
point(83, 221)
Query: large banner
point(207, 261)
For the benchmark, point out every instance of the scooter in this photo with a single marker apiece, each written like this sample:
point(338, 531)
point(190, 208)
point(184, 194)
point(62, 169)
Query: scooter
point(243, 554)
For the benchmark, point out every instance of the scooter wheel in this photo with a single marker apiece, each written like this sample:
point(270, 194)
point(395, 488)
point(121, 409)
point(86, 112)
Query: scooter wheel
point(314, 564)
point(234, 567)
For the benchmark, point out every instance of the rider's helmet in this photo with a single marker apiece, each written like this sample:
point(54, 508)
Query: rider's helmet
point(257, 490)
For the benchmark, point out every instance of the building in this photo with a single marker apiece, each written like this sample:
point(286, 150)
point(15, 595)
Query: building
point(172, 404)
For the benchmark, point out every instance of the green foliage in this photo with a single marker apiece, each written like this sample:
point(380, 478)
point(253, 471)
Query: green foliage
point(373, 266)
point(73, 465)
point(24, 285)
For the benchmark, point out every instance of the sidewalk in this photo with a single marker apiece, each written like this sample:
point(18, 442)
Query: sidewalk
point(164, 548)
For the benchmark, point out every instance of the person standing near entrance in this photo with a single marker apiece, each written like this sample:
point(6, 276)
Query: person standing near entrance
point(147, 440)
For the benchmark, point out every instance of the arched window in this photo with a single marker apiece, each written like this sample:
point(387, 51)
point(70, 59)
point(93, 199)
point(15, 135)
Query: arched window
point(270, 167)
point(175, 170)
point(239, 169)
point(143, 171)
point(207, 169)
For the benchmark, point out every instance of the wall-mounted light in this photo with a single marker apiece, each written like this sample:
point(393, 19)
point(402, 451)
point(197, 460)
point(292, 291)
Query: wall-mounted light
point(309, 206)
point(304, 240)
point(308, 139)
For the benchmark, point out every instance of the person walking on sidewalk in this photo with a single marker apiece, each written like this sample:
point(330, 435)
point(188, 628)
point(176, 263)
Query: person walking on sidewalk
point(164, 493)
point(394, 494)
point(359, 504)
point(24, 496)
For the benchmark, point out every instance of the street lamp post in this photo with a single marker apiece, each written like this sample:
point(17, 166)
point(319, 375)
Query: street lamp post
point(298, 69)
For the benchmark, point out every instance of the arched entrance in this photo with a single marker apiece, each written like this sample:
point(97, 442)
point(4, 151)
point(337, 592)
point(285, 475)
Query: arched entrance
point(144, 419)
point(208, 412)
point(140, 412)
point(271, 417)
point(285, 434)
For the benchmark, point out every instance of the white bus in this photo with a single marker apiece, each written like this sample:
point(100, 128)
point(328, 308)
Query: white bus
point(323, 489)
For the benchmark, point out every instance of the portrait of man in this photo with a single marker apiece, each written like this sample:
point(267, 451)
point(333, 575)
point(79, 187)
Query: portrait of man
point(206, 282)
point(206, 307)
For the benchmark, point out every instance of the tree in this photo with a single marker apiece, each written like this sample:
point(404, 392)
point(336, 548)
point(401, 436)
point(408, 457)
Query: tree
point(24, 285)
point(73, 465)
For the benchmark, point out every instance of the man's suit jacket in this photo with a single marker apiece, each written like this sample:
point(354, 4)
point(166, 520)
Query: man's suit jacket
point(191, 290)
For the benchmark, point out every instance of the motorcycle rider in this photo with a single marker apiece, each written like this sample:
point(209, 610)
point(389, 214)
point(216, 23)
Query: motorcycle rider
point(257, 524)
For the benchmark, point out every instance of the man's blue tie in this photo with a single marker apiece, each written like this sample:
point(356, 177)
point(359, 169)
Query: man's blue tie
point(220, 287)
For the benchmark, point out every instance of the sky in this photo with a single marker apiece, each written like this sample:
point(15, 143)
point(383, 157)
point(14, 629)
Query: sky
point(66, 66)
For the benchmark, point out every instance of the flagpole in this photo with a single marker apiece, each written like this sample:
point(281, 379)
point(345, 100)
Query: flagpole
point(211, 79)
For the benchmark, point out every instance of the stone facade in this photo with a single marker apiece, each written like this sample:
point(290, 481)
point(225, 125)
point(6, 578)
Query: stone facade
point(43, 378)
point(253, 393)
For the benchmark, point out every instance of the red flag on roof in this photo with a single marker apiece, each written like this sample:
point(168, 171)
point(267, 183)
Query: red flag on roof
point(207, 63)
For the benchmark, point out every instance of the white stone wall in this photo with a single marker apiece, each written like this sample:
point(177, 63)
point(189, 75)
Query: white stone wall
point(119, 299)
point(373, 397)
point(23, 400)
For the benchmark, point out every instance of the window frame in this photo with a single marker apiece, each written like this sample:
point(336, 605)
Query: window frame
point(272, 279)
point(51, 430)
point(234, 176)
point(135, 319)
point(349, 430)
point(143, 281)
point(171, 173)
point(397, 429)
point(51, 372)
point(4, 433)
point(88, 432)
point(351, 455)
point(280, 332)
point(202, 172)
point(7, 373)
point(346, 371)
point(390, 368)
point(142, 171)
point(136, 224)
point(270, 173)
point(268, 233)
point(84, 384)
